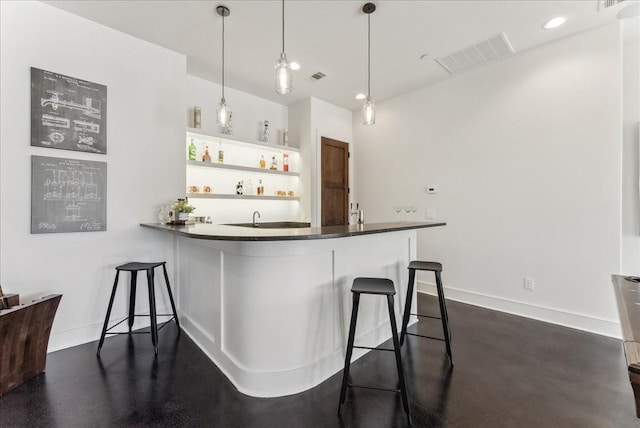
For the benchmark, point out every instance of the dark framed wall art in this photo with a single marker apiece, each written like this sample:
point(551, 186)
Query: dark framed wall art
point(68, 195)
point(68, 113)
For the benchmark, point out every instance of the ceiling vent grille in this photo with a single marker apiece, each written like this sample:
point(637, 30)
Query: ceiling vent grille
point(317, 76)
point(481, 53)
point(604, 4)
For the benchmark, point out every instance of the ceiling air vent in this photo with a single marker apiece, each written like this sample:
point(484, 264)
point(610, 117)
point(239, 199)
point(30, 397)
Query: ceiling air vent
point(481, 53)
point(316, 76)
point(603, 4)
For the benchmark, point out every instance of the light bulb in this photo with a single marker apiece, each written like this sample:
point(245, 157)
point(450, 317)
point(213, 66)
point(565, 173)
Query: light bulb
point(369, 112)
point(554, 22)
point(223, 113)
point(283, 75)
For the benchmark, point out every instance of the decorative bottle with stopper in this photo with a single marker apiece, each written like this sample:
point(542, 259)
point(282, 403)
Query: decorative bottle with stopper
point(229, 129)
point(265, 133)
point(206, 157)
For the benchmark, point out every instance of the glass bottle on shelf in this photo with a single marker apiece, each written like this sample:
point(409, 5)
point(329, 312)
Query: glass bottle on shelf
point(229, 129)
point(285, 162)
point(265, 133)
point(260, 188)
point(220, 153)
point(192, 151)
point(263, 163)
point(274, 163)
point(206, 157)
point(239, 188)
point(248, 188)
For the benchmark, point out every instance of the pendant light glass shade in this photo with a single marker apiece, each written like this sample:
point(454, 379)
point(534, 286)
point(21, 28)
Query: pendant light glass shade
point(369, 112)
point(369, 108)
point(283, 75)
point(223, 112)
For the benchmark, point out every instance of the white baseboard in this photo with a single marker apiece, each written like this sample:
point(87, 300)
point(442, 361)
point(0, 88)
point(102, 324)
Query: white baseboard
point(541, 313)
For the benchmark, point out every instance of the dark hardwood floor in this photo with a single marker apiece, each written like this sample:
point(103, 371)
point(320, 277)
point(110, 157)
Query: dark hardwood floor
point(510, 372)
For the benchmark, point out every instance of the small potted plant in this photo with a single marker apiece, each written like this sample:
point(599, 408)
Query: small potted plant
point(182, 208)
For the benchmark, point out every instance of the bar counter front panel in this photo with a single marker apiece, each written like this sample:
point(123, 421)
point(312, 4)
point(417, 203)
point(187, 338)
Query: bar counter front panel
point(271, 307)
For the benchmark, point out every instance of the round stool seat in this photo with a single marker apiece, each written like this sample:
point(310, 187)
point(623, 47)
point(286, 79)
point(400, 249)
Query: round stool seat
point(380, 286)
point(432, 266)
point(136, 266)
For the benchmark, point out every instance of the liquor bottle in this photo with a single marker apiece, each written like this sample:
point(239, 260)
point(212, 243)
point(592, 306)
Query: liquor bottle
point(263, 163)
point(197, 117)
point(285, 162)
point(260, 188)
point(206, 157)
point(239, 188)
point(220, 153)
point(274, 163)
point(192, 151)
point(265, 132)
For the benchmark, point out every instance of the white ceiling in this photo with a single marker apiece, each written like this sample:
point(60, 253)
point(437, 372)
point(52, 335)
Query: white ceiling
point(331, 36)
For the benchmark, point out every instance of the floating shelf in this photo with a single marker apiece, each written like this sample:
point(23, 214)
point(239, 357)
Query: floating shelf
point(241, 168)
point(229, 196)
point(197, 133)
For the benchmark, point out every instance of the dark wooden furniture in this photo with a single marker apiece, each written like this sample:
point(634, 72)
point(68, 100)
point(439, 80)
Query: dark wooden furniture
point(627, 291)
point(381, 287)
point(436, 268)
point(133, 268)
point(11, 300)
point(24, 336)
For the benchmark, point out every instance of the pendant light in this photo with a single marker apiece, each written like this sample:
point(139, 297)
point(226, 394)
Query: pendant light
point(369, 108)
point(223, 112)
point(283, 68)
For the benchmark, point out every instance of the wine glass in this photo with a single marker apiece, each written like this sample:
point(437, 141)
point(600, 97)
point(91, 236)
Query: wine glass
point(407, 209)
point(397, 208)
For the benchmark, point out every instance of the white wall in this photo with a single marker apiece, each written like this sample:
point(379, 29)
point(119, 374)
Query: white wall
point(630, 146)
point(248, 111)
point(526, 156)
point(145, 159)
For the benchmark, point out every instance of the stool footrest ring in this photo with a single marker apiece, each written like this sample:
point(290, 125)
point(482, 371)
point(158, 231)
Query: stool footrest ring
point(427, 316)
point(374, 349)
point(352, 385)
point(426, 337)
point(140, 332)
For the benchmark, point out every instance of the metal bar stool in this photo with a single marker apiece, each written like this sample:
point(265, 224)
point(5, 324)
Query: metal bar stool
point(382, 287)
point(436, 268)
point(134, 268)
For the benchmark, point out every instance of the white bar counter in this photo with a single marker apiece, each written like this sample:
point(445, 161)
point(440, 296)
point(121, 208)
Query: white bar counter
point(271, 307)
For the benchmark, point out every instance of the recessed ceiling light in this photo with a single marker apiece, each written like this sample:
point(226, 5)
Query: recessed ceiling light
point(294, 66)
point(554, 22)
point(361, 96)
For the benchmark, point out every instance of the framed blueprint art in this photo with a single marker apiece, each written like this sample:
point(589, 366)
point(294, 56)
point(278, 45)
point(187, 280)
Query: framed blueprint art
point(68, 113)
point(68, 195)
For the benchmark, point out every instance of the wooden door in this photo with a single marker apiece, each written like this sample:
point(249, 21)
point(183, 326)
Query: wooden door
point(335, 182)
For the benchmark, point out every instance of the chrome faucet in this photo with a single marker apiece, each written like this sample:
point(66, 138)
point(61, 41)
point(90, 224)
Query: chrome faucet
point(254, 218)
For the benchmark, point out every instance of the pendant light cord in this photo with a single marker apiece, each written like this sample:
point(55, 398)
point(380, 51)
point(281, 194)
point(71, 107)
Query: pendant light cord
point(369, 55)
point(223, 55)
point(283, 26)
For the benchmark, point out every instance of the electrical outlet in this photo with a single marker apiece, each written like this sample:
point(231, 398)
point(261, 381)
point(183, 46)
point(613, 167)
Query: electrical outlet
point(431, 214)
point(528, 284)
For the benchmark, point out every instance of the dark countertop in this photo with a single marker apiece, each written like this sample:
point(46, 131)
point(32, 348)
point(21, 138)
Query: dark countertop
point(221, 232)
